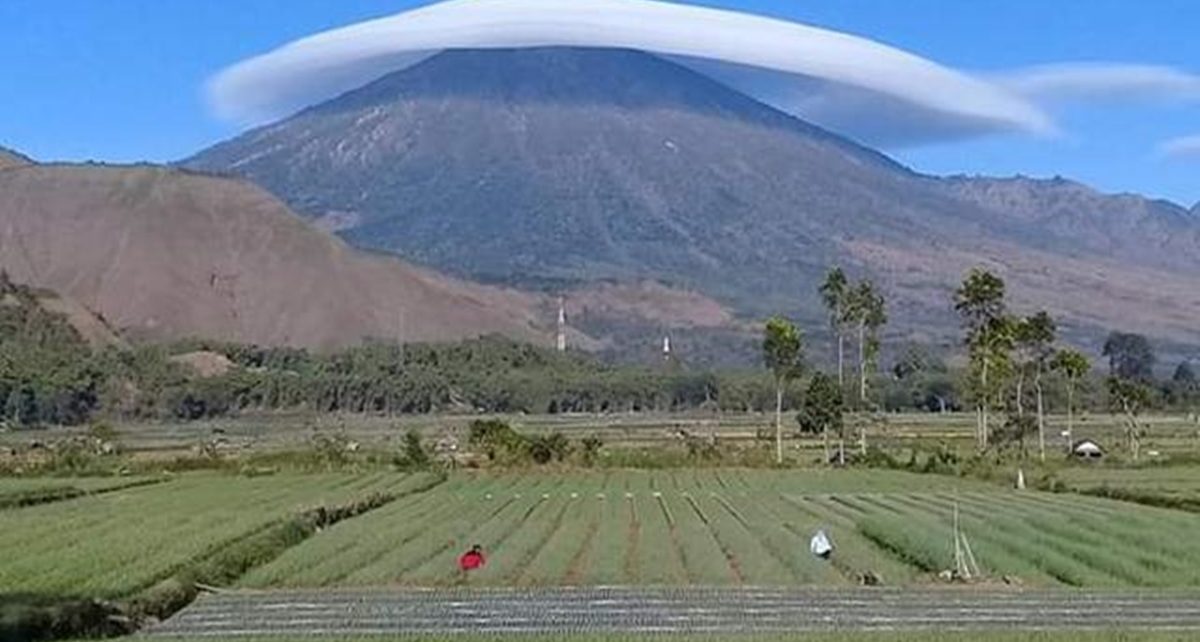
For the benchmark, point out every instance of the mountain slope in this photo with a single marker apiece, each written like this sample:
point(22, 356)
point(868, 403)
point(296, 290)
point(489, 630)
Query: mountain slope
point(10, 159)
point(562, 166)
point(161, 253)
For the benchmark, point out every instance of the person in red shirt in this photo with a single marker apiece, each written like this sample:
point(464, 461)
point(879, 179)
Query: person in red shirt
point(472, 559)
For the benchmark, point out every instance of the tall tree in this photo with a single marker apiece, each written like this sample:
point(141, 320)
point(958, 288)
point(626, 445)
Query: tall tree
point(1033, 338)
point(783, 354)
point(980, 303)
point(1074, 366)
point(1130, 357)
point(835, 293)
point(868, 310)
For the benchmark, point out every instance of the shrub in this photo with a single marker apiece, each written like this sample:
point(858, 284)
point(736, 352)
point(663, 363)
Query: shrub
point(415, 456)
point(591, 449)
point(496, 439)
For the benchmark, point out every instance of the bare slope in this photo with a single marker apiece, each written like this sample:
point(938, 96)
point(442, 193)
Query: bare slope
point(558, 166)
point(164, 254)
point(10, 159)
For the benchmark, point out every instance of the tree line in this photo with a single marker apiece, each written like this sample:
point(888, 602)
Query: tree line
point(49, 375)
point(1011, 359)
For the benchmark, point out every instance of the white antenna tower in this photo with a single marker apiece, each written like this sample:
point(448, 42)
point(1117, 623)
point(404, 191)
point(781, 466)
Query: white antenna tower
point(561, 342)
point(667, 347)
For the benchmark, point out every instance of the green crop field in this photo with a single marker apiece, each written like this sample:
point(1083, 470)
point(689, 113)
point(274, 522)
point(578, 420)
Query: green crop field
point(1175, 486)
point(113, 544)
point(1179, 481)
point(739, 527)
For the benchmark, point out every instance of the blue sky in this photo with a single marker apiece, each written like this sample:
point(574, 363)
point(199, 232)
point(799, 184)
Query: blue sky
point(123, 80)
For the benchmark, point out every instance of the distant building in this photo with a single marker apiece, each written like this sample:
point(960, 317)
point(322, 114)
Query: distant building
point(1087, 449)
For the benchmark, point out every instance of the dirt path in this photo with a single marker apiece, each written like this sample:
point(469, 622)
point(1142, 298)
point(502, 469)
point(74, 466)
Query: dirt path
point(639, 610)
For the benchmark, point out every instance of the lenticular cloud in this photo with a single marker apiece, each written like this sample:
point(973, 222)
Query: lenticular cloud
point(849, 84)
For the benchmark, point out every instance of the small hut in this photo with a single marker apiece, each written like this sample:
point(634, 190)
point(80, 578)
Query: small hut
point(1087, 450)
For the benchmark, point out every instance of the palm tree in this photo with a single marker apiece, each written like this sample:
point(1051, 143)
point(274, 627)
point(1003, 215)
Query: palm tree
point(835, 292)
point(868, 310)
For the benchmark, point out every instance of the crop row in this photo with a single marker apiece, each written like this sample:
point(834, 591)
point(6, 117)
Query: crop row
point(116, 543)
point(715, 527)
point(1039, 538)
point(703, 527)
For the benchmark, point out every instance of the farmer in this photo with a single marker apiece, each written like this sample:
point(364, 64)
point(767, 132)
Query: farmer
point(820, 545)
point(472, 559)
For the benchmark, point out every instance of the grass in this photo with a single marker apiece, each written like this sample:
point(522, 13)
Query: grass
point(115, 544)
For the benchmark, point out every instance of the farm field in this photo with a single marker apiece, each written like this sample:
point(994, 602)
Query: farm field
point(740, 527)
point(113, 544)
point(1175, 481)
point(1167, 434)
point(16, 491)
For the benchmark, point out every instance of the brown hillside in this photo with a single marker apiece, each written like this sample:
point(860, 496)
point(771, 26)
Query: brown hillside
point(163, 254)
point(10, 159)
point(93, 328)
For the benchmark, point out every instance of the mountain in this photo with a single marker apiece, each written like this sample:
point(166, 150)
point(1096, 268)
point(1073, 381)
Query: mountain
point(161, 254)
point(10, 159)
point(562, 167)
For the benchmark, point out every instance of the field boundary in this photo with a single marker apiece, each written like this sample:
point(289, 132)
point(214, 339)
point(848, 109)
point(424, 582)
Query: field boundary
point(51, 494)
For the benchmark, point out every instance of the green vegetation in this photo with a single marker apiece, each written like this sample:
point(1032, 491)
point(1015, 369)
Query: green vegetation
point(47, 372)
point(720, 527)
point(1165, 486)
point(114, 544)
point(783, 354)
point(148, 546)
point(17, 492)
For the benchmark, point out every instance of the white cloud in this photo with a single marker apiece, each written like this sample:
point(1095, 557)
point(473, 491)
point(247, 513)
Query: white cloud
point(874, 92)
point(1102, 81)
point(1179, 148)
